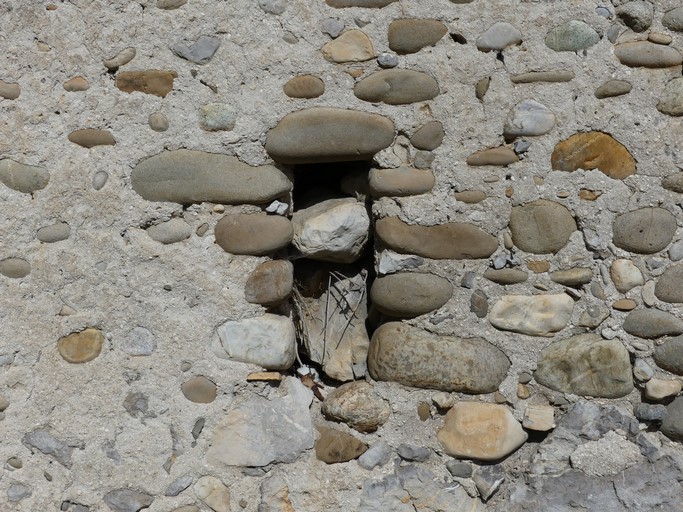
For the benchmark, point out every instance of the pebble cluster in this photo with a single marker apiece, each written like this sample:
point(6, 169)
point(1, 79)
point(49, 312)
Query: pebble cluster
point(341, 255)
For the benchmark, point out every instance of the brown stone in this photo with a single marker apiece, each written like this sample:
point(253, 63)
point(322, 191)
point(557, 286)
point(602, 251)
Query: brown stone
point(423, 411)
point(453, 240)
point(470, 196)
point(593, 150)
point(506, 276)
point(76, 84)
point(589, 195)
point(624, 305)
point(304, 86)
point(351, 46)
point(89, 137)
point(81, 347)
point(538, 266)
point(199, 390)
point(647, 54)
point(411, 35)
point(264, 377)
point(572, 277)
point(410, 294)
point(404, 181)
point(429, 136)
point(501, 156)
point(253, 234)
point(270, 283)
point(335, 446)
point(397, 87)
point(151, 81)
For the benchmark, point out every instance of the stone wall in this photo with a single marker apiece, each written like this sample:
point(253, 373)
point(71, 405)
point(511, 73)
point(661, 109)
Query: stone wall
point(338, 255)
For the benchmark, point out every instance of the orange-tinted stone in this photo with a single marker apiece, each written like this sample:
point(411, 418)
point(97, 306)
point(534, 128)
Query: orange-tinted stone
point(593, 150)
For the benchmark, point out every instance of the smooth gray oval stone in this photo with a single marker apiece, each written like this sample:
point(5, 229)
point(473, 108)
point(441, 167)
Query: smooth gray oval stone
point(22, 177)
point(397, 87)
point(410, 294)
point(414, 357)
point(54, 232)
point(541, 227)
point(586, 365)
point(613, 88)
point(323, 134)
point(644, 231)
point(170, 232)
point(185, 176)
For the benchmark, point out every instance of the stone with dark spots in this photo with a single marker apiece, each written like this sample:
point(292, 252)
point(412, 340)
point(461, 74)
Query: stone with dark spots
point(644, 231)
point(397, 87)
point(414, 357)
point(454, 240)
point(323, 134)
point(586, 365)
point(541, 227)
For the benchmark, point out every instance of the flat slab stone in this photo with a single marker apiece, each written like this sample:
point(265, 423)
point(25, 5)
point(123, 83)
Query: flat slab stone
point(648, 55)
point(593, 150)
point(268, 341)
point(652, 323)
point(644, 231)
point(480, 431)
point(669, 355)
point(586, 365)
point(403, 181)
point(454, 240)
point(397, 87)
point(22, 177)
point(324, 134)
point(185, 176)
point(411, 35)
point(152, 81)
point(414, 357)
point(535, 315)
point(541, 226)
point(258, 431)
point(255, 234)
point(410, 294)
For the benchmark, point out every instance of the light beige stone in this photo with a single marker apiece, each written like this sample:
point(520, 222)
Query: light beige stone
point(537, 315)
point(480, 431)
point(660, 389)
point(351, 46)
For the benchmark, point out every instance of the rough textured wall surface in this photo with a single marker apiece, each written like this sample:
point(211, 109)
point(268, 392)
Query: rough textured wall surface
point(374, 255)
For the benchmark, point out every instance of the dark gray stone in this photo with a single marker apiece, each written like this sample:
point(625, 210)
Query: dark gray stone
point(459, 469)
point(644, 231)
point(178, 485)
point(672, 426)
point(413, 453)
point(488, 480)
point(650, 412)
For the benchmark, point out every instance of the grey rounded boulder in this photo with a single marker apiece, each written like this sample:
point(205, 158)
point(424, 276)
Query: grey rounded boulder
point(406, 295)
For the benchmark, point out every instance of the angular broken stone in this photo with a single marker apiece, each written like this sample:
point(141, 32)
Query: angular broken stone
point(185, 176)
point(414, 357)
point(213, 493)
point(127, 500)
point(474, 430)
point(593, 150)
point(324, 134)
point(535, 315)
point(257, 431)
point(200, 52)
point(351, 46)
point(586, 365)
point(334, 446)
point(453, 240)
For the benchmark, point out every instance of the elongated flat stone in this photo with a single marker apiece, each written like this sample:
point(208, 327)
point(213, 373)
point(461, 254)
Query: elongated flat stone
point(652, 323)
point(535, 315)
point(586, 365)
point(500, 156)
point(397, 87)
point(644, 231)
point(255, 234)
point(542, 76)
point(414, 357)
point(91, 137)
point(410, 294)
point(186, 177)
point(404, 181)
point(23, 178)
point(323, 134)
point(593, 150)
point(453, 240)
point(151, 81)
point(648, 55)
point(411, 35)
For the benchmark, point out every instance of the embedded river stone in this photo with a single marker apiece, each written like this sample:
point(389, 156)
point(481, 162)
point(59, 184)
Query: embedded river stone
point(185, 176)
point(673, 19)
point(351, 46)
point(270, 283)
point(410, 294)
point(474, 430)
point(15, 268)
point(536, 315)
point(572, 277)
point(81, 347)
point(397, 87)
point(152, 81)
point(304, 86)
point(669, 355)
point(528, 118)
point(644, 231)
point(505, 276)
point(648, 55)
point(359, 3)
point(254, 234)
point(593, 150)
point(268, 341)
point(414, 357)
point(652, 323)
point(170, 232)
point(9, 91)
point(500, 156)
point(429, 136)
point(541, 227)
point(542, 76)
point(411, 35)
point(54, 233)
point(23, 178)
point(404, 181)
point(498, 37)
point(669, 287)
point(323, 134)
point(586, 365)
point(571, 36)
point(671, 100)
point(613, 88)
point(453, 240)
point(91, 137)
point(673, 182)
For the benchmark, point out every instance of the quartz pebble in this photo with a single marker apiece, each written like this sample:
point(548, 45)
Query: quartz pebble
point(625, 275)
point(528, 118)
